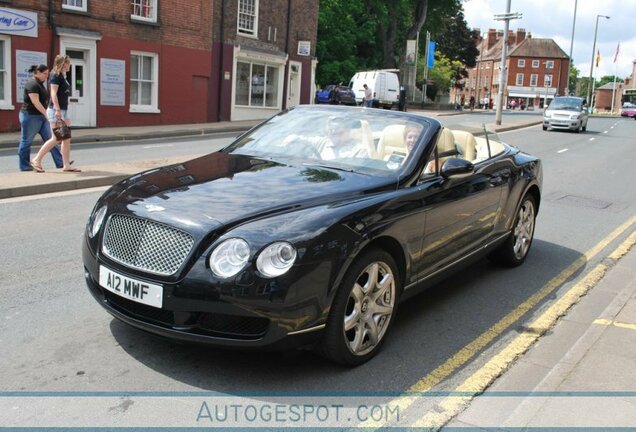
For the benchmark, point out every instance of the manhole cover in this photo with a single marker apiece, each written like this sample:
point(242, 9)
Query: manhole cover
point(582, 201)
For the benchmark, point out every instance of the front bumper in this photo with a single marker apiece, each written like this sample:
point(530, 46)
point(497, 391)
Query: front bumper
point(562, 123)
point(196, 314)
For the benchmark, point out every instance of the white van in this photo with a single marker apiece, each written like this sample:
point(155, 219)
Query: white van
point(384, 84)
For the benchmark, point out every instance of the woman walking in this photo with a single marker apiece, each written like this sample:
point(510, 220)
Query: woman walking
point(57, 112)
point(33, 117)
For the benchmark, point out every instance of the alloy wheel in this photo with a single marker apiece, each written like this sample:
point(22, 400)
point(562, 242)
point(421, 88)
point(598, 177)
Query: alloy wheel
point(369, 308)
point(524, 229)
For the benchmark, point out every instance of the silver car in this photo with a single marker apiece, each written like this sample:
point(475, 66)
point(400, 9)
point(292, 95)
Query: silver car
point(566, 112)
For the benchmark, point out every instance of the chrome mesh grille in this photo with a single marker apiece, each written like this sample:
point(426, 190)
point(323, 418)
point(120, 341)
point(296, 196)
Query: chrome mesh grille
point(146, 245)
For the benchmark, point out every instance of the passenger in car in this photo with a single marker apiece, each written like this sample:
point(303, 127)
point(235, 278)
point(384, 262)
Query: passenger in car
point(339, 143)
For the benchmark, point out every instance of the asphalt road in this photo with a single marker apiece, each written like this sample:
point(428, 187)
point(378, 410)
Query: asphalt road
point(54, 337)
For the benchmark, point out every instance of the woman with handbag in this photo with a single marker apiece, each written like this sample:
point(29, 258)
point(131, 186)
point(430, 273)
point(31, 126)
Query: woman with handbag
point(33, 117)
point(57, 115)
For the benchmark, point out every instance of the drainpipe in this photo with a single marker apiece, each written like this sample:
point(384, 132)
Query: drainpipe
point(287, 66)
point(51, 23)
point(222, 54)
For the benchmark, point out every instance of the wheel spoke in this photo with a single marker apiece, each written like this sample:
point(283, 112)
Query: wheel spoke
point(383, 286)
point(353, 319)
point(372, 272)
point(372, 331)
point(356, 343)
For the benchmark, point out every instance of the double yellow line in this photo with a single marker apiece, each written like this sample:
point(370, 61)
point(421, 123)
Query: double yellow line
point(481, 379)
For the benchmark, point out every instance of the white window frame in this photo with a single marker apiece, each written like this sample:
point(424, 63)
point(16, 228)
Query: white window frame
point(154, 91)
point(519, 81)
point(549, 64)
point(534, 80)
point(154, 5)
point(5, 102)
point(245, 31)
point(521, 63)
point(535, 63)
point(82, 8)
point(267, 67)
point(547, 80)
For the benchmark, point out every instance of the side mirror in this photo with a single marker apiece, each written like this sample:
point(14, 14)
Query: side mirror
point(456, 167)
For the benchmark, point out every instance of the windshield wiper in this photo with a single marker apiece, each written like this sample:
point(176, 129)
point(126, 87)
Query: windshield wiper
point(330, 167)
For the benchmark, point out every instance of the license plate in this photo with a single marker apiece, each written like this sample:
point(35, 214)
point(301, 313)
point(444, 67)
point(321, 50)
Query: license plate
point(131, 289)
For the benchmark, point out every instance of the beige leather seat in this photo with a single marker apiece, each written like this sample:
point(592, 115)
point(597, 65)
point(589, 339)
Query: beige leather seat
point(445, 148)
point(367, 138)
point(466, 143)
point(392, 141)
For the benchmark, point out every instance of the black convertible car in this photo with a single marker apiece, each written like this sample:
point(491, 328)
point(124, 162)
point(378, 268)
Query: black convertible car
point(308, 229)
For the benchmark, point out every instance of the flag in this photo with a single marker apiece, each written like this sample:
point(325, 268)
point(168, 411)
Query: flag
point(618, 47)
point(598, 57)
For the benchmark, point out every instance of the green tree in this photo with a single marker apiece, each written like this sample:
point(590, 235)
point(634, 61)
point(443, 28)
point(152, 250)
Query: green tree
point(443, 74)
point(574, 78)
point(608, 79)
point(356, 35)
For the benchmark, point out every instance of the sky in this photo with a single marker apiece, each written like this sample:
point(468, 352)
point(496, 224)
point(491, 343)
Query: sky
point(553, 19)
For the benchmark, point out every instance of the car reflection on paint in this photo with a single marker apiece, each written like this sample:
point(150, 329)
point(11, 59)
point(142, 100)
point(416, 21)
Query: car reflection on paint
point(308, 230)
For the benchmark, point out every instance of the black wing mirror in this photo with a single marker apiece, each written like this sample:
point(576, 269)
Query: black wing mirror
point(455, 167)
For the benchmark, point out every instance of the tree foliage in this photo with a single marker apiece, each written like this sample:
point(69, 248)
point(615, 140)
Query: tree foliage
point(356, 35)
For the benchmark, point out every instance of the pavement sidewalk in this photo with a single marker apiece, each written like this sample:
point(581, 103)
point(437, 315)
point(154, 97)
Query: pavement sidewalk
point(29, 183)
point(582, 372)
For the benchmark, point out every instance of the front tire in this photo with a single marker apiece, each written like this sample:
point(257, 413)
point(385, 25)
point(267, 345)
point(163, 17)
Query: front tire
point(362, 310)
point(514, 250)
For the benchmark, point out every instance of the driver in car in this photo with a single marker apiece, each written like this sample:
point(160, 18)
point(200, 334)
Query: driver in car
point(339, 144)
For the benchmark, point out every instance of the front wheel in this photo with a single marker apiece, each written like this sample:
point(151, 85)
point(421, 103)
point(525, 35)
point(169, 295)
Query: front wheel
point(514, 250)
point(362, 310)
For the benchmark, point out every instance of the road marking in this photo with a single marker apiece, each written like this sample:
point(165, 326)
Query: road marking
point(613, 323)
point(158, 146)
point(592, 139)
point(53, 195)
point(464, 355)
point(486, 375)
point(562, 151)
point(604, 131)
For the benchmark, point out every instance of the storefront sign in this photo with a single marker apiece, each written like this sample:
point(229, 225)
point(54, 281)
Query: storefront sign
point(113, 82)
point(19, 23)
point(23, 62)
point(304, 48)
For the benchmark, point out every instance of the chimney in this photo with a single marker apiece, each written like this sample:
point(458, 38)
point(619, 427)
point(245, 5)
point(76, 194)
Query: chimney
point(521, 35)
point(512, 38)
point(492, 38)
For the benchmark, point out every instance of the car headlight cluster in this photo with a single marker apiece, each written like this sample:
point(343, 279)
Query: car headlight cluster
point(98, 220)
point(232, 255)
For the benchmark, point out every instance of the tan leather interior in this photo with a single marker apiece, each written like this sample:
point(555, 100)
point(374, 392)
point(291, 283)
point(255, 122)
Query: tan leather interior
point(466, 143)
point(392, 141)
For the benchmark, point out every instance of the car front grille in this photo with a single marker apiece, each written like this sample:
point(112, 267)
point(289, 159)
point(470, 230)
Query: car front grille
point(146, 245)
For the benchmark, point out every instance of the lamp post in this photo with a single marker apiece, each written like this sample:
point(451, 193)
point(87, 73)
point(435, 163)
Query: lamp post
point(589, 85)
point(547, 72)
point(571, 46)
point(506, 17)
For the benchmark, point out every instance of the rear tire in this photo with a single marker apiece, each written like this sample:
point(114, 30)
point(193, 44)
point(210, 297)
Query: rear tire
point(514, 250)
point(545, 128)
point(363, 309)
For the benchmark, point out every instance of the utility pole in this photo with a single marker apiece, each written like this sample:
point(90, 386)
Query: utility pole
point(567, 91)
point(503, 71)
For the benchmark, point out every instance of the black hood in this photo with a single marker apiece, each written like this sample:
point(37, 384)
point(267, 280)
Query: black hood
point(223, 188)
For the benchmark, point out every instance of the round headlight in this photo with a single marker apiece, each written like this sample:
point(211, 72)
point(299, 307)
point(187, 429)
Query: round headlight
point(276, 259)
point(229, 257)
point(98, 220)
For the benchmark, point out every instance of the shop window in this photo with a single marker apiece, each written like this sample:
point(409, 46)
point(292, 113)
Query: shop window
point(74, 5)
point(144, 10)
point(5, 72)
point(519, 81)
point(534, 79)
point(144, 82)
point(256, 85)
point(248, 17)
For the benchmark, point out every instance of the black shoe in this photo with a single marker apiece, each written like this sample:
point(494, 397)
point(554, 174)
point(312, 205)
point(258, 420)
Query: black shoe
point(27, 169)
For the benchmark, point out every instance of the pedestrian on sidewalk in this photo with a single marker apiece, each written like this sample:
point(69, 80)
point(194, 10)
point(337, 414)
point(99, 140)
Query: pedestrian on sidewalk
point(33, 117)
point(57, 112)
point(367, 100)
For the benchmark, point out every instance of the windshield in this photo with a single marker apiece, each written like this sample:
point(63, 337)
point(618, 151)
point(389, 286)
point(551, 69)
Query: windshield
point(370, 141)
point(568, 104)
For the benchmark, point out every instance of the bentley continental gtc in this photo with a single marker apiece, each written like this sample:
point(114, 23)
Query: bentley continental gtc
point(308, 230)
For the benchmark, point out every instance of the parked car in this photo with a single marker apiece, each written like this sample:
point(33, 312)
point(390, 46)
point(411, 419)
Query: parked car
point(566, 112)
point(384, 84)
point(628, 110)
point(286, 237)
point(345, 95)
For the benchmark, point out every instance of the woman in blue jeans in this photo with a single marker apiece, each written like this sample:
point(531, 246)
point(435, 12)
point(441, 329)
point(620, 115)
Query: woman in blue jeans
point(33, 117)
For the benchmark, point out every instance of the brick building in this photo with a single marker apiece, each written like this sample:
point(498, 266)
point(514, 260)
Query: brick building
point(537, 69)
point(145, 62)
